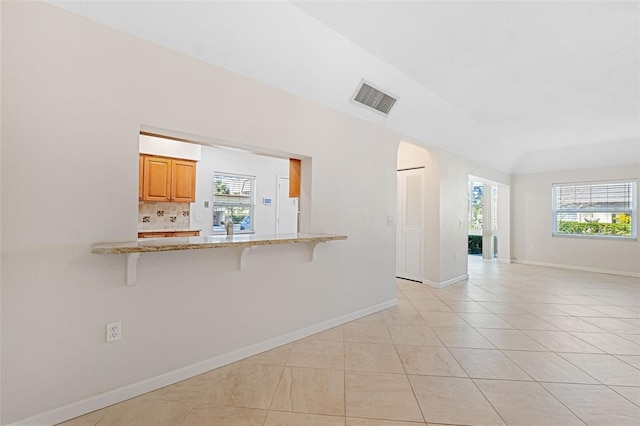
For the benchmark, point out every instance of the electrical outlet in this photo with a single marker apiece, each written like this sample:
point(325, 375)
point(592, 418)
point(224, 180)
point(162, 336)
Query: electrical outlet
point(389, 220)
point(114, 331)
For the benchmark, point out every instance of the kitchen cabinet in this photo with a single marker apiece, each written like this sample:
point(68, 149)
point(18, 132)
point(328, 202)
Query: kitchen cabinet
point(183, 181)
point(156, 178)
point(140, 177)
point(154, 234)
point(187, 234)
point(295, 167)
point(163, 234)
point(167, 179)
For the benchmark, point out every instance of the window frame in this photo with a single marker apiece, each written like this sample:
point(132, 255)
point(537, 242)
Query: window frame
point(251, 205)
point(470, 223)
point(634, 209)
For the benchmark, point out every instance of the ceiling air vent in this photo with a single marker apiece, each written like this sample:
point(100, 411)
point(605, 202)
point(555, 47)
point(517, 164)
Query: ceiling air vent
point(373, 98)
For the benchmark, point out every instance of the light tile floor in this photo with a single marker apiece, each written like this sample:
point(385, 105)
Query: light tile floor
point(515, 345)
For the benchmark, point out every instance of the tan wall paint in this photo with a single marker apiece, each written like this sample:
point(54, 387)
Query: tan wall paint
point(454, 188)
point(75, 95)
point(532, 224)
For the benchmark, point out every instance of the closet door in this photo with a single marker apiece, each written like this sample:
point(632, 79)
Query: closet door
point(410, 226)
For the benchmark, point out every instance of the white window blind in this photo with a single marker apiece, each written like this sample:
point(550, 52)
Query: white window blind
point(595, 208)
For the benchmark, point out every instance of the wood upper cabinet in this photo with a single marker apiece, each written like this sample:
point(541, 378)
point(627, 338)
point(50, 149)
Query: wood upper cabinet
point(156, 179)
point(168, 179)
point(183, 181)
point(140, 176)
point(295, 167)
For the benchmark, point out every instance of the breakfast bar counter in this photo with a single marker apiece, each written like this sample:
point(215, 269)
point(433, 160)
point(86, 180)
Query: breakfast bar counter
point(243, 242)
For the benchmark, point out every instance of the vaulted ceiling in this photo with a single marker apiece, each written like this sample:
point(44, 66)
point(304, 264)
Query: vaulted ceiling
point(521, 86)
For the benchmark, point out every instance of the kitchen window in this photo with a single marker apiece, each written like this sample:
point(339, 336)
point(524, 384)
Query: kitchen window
point(596, 209)
point(233, 200)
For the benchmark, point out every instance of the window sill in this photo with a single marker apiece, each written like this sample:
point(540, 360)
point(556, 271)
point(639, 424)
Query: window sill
point(595, 237)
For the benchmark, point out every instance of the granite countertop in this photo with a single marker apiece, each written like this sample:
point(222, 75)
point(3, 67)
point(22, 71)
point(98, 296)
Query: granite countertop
point(212, 241)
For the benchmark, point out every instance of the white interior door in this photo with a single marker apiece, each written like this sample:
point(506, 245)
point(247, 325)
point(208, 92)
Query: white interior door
point(410, 226)
point(287, 216)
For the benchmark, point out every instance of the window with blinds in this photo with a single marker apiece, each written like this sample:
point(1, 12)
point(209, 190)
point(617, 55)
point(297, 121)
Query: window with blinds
point(595, 209)
point(233, 200)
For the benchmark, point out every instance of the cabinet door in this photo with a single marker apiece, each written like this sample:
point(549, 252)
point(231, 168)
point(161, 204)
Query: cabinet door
point(295, 167)
point(187, 234)
point(155, 234)
point(183, 181)
point(156, 179)
point(140, 176)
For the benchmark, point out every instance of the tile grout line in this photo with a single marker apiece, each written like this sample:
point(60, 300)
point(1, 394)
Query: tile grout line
point(406, 375)
point(634, 403)
point(344, 376)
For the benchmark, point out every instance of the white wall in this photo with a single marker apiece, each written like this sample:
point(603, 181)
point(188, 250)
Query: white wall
point(169, 148)
point(412, 155)
point(265, 169)
point(454, 212)
point(532, 224)
point(75, 96)
point(504, 224)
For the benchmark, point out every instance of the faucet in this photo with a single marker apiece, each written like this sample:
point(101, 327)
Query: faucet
point(228, 225)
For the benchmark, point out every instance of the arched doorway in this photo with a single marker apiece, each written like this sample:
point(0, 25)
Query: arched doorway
point(417, 255)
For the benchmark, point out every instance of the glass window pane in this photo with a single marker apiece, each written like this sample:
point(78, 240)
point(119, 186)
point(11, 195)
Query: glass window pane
point(233, 201)
point(475, 208)
point(603, 208)
point(595, 225)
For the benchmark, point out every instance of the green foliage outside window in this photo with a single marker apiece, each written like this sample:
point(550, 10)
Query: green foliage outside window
point(622, 218)
point(595, 228)
point(220, 187)
point(475, 195)
point(475, 244)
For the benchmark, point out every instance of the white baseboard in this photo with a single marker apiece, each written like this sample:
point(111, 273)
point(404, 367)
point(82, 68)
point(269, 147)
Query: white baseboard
point(579, 268)
point(504, 260)
point(79, 408)
point(447, 282)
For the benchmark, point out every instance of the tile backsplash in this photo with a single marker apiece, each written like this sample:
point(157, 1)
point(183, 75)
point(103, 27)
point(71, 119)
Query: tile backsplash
point(161, 215)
